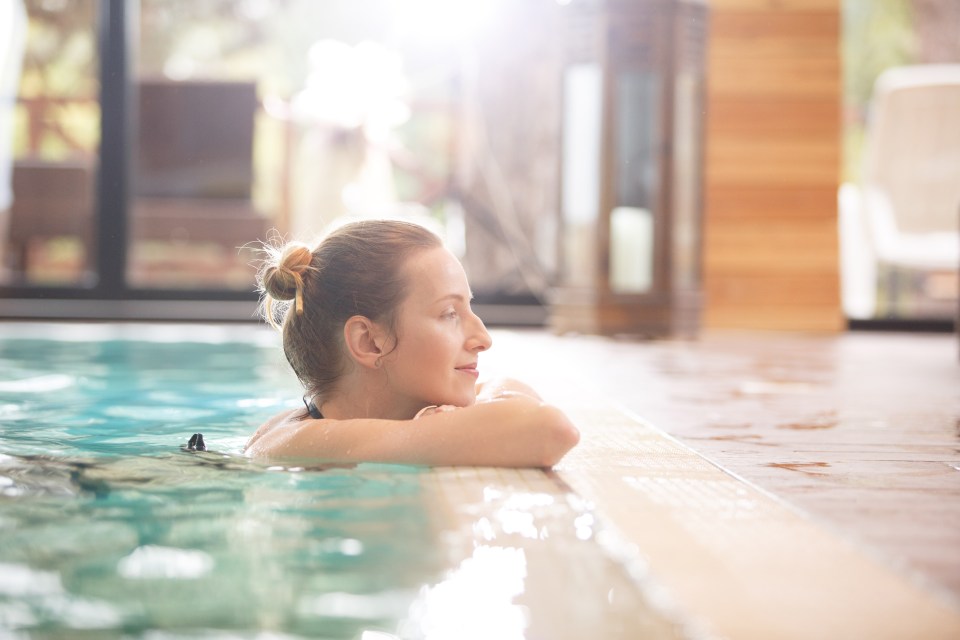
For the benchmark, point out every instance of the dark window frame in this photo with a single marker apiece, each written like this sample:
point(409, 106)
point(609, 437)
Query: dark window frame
point(117, 31)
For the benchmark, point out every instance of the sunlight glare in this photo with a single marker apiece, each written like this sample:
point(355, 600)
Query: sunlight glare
point(476, 600)
point(445, 21)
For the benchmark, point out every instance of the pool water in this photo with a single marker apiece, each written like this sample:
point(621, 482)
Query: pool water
point(109, 529)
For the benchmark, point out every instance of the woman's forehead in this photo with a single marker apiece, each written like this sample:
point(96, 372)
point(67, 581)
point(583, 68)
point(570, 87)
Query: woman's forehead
point(436, 273)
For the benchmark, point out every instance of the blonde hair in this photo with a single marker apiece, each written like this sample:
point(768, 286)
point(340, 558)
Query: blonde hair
point(310, 293)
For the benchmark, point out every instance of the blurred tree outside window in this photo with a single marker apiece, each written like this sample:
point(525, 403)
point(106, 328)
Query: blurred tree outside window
point(302, 164)
point(331, 79)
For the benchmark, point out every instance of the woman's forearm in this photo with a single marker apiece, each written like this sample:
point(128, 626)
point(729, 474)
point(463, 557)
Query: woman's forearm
point(511, 431)
point(516, 431)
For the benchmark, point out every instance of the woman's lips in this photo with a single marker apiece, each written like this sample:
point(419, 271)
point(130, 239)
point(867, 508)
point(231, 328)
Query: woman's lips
point(470, 369)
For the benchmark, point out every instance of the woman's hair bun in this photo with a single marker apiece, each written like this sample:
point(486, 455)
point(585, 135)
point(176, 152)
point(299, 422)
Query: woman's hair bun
point(282, 277)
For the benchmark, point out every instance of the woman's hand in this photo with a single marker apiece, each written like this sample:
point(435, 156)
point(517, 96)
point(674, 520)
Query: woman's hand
point(502, 388)
point(432, 409)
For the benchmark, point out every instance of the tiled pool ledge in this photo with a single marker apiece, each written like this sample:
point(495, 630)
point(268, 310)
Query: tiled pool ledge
point(530, 560)
point(708, 554)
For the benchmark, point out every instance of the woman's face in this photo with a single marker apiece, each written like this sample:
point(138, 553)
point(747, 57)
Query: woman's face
point(438, 336)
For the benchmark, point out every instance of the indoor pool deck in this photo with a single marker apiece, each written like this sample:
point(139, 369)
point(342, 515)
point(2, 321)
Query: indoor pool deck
point(774, 486)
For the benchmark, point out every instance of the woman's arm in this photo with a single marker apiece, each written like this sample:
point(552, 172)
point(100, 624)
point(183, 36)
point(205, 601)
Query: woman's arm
point(515, 431)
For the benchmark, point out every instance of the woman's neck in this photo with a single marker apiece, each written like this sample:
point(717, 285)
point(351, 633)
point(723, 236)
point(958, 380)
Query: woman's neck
point(367, 397)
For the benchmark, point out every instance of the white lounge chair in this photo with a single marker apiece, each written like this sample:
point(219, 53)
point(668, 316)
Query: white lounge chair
point(906, 209)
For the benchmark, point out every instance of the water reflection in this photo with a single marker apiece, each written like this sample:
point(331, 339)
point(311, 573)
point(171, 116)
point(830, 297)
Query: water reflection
point(477, 599)
point(167, 543)
point(531, 560)
point(107, 525)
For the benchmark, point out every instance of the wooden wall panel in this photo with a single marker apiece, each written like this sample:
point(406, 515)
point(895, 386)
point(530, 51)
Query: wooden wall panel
point(783, 78)
point(772, 34)
point(787, 247)
point(784, 160)
point(773, 166)
point(731, 115)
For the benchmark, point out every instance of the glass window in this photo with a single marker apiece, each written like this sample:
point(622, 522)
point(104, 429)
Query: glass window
point(248, 120)
point(580, 180)
point(49, 136)
point(637, 178)
point(195, 92)
point(270, 118)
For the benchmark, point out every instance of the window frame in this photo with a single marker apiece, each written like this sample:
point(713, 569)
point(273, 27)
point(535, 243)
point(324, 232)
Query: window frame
point(111, 296)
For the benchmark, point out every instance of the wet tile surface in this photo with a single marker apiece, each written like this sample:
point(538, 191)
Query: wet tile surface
point(742, 562)
point(859, 430)
point(531, 559)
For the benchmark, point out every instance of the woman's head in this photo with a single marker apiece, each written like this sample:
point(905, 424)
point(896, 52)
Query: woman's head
point(439, 338)
point(363, 269)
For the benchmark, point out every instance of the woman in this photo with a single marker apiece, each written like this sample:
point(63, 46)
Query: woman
point(377, 325)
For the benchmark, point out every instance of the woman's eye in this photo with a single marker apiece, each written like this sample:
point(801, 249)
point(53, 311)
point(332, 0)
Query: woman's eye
point(450, 315)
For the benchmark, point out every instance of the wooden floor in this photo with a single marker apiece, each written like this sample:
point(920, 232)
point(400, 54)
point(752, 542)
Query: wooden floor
point(858, 431)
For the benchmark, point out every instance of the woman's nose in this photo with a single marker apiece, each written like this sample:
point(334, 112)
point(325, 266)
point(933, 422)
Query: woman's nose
point(480, 339)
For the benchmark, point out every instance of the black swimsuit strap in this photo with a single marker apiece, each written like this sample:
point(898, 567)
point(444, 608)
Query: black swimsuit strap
point(312, 409)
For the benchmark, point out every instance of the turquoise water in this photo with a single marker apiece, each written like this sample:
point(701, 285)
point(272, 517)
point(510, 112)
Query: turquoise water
point(108, 529)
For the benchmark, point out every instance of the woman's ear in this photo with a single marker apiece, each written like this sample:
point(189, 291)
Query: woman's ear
point(364, 339)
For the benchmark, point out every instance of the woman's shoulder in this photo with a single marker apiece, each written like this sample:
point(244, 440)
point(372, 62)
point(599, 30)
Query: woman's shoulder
point(284, 418)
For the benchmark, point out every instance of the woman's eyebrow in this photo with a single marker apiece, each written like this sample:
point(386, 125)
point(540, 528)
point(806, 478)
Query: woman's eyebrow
point(455, 296)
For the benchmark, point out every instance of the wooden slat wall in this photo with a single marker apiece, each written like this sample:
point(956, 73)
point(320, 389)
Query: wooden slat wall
point(773, 166)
